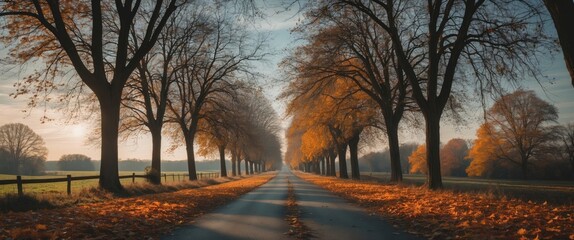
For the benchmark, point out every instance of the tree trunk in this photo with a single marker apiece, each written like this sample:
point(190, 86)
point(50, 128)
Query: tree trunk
point(342, 149)
point(155, 174)
point(327, 165)
point(251, 167)
point(110, 118)
point(239, 166)
point(190, 157)
point(394, 149)
point(353, 149)
point(562, 12)
point(246, 167)
point(323, 165)
point(332, 156)
point(233, 164)
point(434, 178)
point(524, 166)
point(222, 160)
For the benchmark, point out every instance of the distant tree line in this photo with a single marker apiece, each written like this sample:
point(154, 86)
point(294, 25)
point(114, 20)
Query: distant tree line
point(22, 151)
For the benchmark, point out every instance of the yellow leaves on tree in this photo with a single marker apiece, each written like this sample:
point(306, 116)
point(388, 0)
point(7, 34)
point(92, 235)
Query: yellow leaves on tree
point(482, 153)
point(418, 160)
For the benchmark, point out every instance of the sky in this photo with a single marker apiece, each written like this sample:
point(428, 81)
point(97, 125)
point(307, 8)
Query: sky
point(65, 137)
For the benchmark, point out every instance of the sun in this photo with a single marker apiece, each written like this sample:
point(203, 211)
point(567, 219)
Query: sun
point(78, 130)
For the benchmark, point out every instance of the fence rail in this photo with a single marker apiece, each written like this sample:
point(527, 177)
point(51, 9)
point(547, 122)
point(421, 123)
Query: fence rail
point(19, 181)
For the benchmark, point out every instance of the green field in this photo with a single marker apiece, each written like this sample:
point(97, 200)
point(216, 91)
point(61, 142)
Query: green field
point(77, 186)
point(536, 190)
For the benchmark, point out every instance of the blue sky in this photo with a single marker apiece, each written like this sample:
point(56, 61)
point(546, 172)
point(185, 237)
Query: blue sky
point(66, 138)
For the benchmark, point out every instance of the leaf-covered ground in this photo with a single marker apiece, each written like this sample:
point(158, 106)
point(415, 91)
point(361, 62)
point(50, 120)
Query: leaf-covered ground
point(143, 217)
point(450, 215)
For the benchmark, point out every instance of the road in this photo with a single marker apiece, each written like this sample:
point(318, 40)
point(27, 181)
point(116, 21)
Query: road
point(260, 214)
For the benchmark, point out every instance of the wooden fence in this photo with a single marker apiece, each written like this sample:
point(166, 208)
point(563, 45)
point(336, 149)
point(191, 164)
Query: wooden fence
point(19, 181)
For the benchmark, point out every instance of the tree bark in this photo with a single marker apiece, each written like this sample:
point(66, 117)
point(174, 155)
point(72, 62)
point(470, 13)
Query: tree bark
point(110, 117)
point(239, 166)
point(434, 179)
point(332, 156)
point(190, 157)
point(251, 168)
point(394, 149)
point(342, 151)
point(222, 167)
point(246, 167)
point(233, 164)
point(155, 175)
point(353, 149)
point(562, 12)
point(323, 165)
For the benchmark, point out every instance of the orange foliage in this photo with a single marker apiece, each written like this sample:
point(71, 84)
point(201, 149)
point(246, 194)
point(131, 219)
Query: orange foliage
point(418, 160)
point(127, 218)
point(449, 215)
point(482, 152)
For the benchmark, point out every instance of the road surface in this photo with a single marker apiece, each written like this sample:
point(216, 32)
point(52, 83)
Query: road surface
point(260, 214)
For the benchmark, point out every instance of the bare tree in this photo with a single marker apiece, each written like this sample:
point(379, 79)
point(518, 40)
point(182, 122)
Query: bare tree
point(147, 91)
point(77, 34)
point(208, 67)
point(518, 121)
point(25, 151)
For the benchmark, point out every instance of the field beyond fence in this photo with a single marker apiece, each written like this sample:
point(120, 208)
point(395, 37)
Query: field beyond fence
point(67, 182)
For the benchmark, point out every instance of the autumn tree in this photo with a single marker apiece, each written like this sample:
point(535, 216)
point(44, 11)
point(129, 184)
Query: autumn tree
point(92, 38)
point(24, 151)
point(440, 43)
point(453, 158)
point(208, 65)
point(517, 125)
point(75, 162)
point(417, 160)
point(347, 43)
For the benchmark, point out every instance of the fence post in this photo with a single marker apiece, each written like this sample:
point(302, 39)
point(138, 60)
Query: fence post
point(164, 177)
point(19, 182)
point(173, 176)
point(69, 184)
point(133, 178)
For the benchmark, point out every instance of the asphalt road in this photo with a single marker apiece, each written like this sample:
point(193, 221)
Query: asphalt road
point(260, 214)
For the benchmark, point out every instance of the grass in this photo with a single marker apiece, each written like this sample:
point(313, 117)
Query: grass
point(77, 186)
point(528, 190)
point(92, 194)
point(149, 215)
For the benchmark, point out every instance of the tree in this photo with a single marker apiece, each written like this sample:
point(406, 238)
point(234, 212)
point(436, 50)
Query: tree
point(347, 43)
point(453, 158)
point(439, 43)
point(417, 160)
point(567, 138)
point(93, 39)
point(75, 162)
point(147, 91)
point(24, 150)
point(208, 66)
point(516, 129)
point(562, 12)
